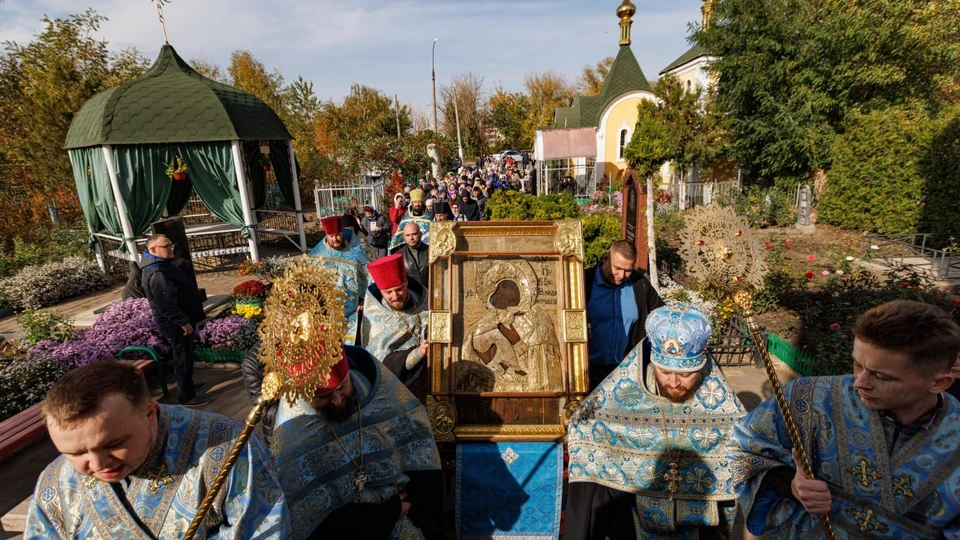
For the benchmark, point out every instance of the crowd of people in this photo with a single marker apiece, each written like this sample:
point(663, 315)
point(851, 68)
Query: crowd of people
point(661, 447)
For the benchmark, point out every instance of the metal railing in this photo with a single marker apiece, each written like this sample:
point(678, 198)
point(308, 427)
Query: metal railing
point(338, 198)
point(280, 223)
point(733, 346)
point(684, 195)
point(916, 251)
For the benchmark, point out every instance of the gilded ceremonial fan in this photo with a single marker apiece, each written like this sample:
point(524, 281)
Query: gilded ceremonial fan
point(720, 251)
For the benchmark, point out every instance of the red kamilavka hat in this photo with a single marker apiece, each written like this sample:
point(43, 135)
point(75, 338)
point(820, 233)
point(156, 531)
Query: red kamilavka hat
point(388, 272)
point(332, 224)
point(337, 374)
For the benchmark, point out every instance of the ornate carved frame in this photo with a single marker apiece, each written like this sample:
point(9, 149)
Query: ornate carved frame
point(456, 250)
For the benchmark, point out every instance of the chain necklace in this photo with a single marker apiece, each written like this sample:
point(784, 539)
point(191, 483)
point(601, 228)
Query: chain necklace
point(415, 330)
point(360, 478)
point(673, 476)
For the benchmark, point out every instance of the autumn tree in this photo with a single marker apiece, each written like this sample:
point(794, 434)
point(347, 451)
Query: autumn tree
point(546, 91)
point(508, 111)
point(592, 77)
point(473, 109)
point(45, 82)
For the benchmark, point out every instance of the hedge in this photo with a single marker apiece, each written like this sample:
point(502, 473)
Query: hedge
point(895, 171)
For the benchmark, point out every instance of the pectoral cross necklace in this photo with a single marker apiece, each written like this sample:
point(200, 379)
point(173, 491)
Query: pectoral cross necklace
point(360, 478)
point(672, 477)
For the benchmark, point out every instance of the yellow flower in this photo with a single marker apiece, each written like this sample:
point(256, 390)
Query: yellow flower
point(248, 311)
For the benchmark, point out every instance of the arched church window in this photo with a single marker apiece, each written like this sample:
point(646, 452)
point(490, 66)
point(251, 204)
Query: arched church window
point(623, 142)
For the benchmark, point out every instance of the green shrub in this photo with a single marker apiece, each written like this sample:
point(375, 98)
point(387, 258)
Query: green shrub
point(763, 207)
point(24, 382)
point(941, 168)
point(877, 182)
point(40, 286)
point(515, 206)
point(599, 231)
point(39, 326)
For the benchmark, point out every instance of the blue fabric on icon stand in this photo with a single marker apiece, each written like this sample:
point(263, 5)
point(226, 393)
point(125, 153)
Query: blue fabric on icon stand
point(509, 490)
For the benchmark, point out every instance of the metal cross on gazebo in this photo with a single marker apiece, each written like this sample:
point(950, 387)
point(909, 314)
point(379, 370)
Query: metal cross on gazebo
point(163, 25)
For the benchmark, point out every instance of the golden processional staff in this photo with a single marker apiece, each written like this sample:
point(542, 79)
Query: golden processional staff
point(301, 340)
point(720, 251)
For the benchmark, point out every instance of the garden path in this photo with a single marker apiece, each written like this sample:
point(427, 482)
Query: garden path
point(81, 309)
point(19, 472)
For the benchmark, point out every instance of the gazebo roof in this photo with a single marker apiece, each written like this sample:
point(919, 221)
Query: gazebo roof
point(172, 103)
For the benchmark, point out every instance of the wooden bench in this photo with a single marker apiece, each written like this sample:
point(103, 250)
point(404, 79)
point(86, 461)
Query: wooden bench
point(25, 426)
point(20, 429)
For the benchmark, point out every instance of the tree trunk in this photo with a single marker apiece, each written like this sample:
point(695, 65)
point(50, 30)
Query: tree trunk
point(651, 241)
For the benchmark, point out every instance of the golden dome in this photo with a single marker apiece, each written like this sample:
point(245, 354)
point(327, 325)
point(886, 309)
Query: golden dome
point(626, 9)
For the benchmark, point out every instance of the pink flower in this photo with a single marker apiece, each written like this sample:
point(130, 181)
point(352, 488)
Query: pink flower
point(835, 326)
point(839, 272)
point(844, 336)
point(811, 258)
point(825, 272)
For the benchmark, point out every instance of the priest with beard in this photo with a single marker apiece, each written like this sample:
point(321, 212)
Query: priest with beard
point(394, 322)
point(647, 457)
point(357, 459)
point(417, 213)
point(341, 251)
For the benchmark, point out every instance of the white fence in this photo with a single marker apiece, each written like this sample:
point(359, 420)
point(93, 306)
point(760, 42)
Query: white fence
point(337, 198)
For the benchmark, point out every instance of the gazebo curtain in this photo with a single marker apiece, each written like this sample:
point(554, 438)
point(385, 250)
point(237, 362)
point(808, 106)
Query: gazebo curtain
point(255, 172)
point(93, 187)
point(210, 166)
point(146, 189)
point(280, 157)
point(144, 184)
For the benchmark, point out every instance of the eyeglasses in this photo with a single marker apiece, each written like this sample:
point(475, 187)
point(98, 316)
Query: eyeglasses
point(166, 246)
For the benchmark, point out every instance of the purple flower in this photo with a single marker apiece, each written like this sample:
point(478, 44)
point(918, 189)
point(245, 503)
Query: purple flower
point(231, 333)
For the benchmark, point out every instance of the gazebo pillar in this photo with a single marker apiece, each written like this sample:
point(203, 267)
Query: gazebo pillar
point(248, 218)
point(296, 197)
point(128, 237)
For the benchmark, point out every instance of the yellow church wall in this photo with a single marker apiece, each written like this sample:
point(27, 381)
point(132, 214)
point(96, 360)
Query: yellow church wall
point(622, 114)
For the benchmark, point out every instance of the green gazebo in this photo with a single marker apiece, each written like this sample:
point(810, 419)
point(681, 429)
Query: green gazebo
point(122, 139)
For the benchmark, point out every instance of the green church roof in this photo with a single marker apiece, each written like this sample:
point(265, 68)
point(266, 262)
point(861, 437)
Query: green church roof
point(172, 103)
point(695, 52)
point(625, 76)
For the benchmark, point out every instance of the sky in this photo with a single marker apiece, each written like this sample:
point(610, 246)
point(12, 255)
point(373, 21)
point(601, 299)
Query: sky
point(385, 44)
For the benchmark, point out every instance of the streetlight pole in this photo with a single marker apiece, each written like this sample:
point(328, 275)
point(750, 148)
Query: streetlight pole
point(433, 77)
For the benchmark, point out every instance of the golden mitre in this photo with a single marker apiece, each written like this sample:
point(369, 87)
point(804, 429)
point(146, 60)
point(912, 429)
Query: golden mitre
point(302, 330)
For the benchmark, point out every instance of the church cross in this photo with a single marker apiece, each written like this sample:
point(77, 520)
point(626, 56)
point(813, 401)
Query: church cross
point(159, 477)
point(163, 25)
point(866, 522)
point(864, 473)
point(902, 486)
point(90, 481)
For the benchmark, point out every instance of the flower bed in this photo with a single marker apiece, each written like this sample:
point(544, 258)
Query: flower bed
point(124, 324)
point(231, 333)
point(40, 286)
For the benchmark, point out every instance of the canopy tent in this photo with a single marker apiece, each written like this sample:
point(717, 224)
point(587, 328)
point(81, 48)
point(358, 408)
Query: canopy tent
point(122, 138)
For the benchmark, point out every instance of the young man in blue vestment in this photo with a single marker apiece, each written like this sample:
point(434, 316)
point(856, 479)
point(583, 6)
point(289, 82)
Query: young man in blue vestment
point(884, 443)
point(133, 469)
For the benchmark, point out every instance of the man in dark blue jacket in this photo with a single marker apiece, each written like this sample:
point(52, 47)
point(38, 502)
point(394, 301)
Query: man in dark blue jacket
point(177, 308)
point(618, 302)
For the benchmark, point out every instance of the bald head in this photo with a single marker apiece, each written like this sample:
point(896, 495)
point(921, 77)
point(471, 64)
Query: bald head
point(411, 234)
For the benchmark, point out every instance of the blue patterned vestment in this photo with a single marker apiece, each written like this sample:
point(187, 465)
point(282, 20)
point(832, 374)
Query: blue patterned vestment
point(422, 221)
point(166, 491)
point(350, 264)
point(386, 330)
point(617, 439)
point(315, 472)
point(907, 490)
